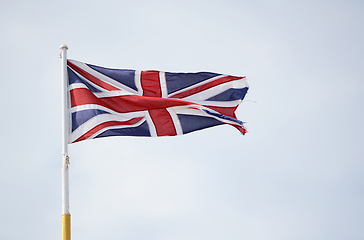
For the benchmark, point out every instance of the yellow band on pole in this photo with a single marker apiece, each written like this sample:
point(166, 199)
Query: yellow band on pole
point(66, 226)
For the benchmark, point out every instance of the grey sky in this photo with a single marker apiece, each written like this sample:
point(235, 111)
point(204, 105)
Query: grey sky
point(297, 174)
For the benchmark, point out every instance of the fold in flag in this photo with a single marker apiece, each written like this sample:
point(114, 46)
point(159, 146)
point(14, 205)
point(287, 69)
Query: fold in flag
point(119, 102)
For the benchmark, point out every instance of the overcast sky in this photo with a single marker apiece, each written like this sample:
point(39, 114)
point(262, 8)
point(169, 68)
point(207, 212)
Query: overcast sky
point(297, 174)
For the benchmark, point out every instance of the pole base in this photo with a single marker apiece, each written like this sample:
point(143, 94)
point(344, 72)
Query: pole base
point(66, 226)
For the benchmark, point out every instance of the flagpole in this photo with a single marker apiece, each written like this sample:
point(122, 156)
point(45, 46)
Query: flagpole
point(66, 216)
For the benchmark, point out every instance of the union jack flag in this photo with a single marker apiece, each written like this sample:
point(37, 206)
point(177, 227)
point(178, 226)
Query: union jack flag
point(119, 102)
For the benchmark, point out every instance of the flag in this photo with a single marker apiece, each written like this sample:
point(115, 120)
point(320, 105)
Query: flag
point(120, 102)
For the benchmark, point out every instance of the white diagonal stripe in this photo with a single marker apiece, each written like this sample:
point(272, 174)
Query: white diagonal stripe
point(213, 91)
point(89, 82)
point(102, 77)
point(197, 84)
point(116, 127)
point(217, 103)
point(100, 94)
point(95, 121)
point(198, 110)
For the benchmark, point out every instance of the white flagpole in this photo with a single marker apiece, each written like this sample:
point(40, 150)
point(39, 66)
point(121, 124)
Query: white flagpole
point(66, 216)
